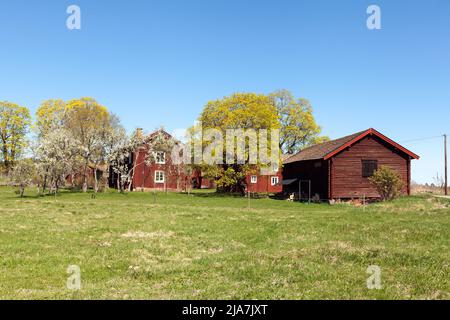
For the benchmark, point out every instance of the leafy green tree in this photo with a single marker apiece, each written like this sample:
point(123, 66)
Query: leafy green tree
point(387, 182)
point(238, 111)
point(298, 128)
point(90, 123)
point(14, 124)
point(50, 116)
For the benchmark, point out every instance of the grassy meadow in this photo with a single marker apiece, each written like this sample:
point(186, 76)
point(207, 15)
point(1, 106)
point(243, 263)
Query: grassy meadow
point(205, 246)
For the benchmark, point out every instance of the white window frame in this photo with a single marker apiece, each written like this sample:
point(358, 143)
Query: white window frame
point(254, 179)
point(273, 178)
point(163, 161)
point(163, 176)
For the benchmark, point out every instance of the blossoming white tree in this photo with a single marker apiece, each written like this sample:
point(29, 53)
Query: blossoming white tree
point(22, 175)
point(120, 158)
point(58, 156)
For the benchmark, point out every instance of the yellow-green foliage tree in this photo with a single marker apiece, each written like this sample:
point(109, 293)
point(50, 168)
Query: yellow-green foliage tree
point(14, 124)
point(238, 111)
point(89, 122)
point(298, 128)
point(50, 115)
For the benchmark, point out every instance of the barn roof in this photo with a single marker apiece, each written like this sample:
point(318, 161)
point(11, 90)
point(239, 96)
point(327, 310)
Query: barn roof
point(330, 148)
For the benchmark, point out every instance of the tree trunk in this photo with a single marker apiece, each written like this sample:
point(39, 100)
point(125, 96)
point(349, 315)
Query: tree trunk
point(95, 180)
point(5, 156)
point(85, 177)
point(119, 185)
point(131, 180)
point(44, 185)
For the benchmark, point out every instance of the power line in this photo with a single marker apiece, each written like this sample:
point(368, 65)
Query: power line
point(421, 139)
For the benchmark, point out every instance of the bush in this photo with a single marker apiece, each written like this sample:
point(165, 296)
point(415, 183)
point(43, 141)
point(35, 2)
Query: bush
point(387, 182)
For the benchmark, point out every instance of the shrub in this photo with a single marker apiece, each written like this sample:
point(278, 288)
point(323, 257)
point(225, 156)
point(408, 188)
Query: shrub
point(387, 182)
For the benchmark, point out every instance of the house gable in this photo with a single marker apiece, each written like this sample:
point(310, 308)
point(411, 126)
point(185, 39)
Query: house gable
point(347, 176)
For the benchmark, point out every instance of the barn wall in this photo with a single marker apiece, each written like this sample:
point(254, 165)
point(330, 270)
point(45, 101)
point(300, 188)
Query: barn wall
point(200, 182)
point(314, 170)
point(144, 176)
point(263, 183)
point(346, 170)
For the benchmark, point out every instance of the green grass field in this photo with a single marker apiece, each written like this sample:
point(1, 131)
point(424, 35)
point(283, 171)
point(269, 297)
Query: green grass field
point(203, 246)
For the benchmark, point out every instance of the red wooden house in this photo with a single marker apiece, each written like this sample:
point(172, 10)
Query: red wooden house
point(266, 180)
point(339, 169)
point(161, 173)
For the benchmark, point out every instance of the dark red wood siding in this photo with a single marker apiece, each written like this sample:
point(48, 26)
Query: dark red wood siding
point(144, 176)
point(346, 169)
point(264, 183)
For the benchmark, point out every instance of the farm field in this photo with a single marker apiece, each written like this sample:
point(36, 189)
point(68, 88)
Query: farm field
point(207, 246)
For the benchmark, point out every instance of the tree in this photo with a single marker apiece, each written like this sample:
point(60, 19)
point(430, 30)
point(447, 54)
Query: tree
point(14, 123)
point(58, 156)
point(104, 144)
point(298, 126)
point(387, 182)
point(238, 111)
point(89, 122)
point(120, 159)
point(50, 115)
point(22, 175)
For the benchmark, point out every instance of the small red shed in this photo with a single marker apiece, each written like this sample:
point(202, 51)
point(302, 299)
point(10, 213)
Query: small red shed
point(338, 169)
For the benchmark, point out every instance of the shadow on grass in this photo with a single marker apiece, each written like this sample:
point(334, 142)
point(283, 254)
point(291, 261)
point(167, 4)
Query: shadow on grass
point(29, 194)
point(215, 194)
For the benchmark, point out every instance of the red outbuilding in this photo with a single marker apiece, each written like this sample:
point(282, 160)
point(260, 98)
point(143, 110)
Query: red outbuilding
point(339, 169)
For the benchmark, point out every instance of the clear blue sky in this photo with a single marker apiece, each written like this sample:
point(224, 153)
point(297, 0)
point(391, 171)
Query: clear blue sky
point(158, 62)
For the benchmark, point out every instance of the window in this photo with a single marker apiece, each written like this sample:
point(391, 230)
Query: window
point(369, 167)
point(254, 179)
point(274, 180)
point(317, 164)
point(159, 176)
point(160, 157)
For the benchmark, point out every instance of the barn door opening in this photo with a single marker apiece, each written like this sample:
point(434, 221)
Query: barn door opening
point(304, 190)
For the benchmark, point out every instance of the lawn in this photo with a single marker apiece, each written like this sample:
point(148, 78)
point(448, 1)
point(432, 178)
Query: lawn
point(204, 246)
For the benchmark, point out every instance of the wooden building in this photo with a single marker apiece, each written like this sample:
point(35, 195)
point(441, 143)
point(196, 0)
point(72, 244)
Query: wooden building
point(265, 180)
point(161, 173)
point(339, 169)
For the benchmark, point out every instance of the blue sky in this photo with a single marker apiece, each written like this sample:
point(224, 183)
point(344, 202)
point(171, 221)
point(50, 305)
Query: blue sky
point(158, 62)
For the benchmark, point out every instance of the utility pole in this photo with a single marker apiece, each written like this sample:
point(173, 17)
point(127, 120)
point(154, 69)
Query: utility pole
point(445, 170)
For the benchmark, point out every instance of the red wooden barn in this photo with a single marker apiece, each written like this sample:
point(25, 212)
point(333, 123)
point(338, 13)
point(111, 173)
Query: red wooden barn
point(339, 169)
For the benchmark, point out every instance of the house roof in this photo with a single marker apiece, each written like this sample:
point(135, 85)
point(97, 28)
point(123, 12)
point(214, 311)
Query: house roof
point(330, 148)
